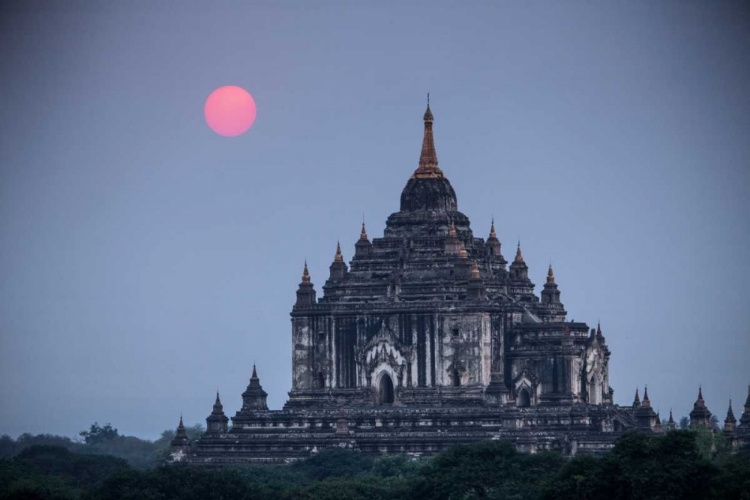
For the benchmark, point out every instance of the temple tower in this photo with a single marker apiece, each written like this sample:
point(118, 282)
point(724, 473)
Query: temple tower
point(180, 445)
point(217, 422)
point(700, 416)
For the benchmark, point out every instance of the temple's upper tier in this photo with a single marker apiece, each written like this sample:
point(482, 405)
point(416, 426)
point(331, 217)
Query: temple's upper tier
point(428, 188)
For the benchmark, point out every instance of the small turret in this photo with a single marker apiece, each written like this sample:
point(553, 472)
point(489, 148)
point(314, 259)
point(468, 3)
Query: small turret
point(637, 399)
point(362, 247)
point(217, 422)
point(493, 244)
point(658, 426)
point(180, 445)
point(518, 269)
point(700, 416)
point(745, 417)
point(599, 335)
point(730, 423)
point(452, 243)
point(550, 293)
point(338, 267)
point(462, 265)
point(645, 417)
point(306, 291)
point(475, 289)
point(254, 397)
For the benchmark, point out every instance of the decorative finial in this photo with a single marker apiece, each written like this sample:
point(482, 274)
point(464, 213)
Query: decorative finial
point(550, 275)
point(363, 233)
point(255, 372)
point(338, 257)
point(492, 229)
point(519, 255)
point(462, 254)
point(305, 274)
point(700, 393)
point(646, 401)
point(452, 230)
point(475, 271)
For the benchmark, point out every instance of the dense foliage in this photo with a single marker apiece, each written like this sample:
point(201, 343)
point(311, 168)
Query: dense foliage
point(669, 467)
point(106, 440)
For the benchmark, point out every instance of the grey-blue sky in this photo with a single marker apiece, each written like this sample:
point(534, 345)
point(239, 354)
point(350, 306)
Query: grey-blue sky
point(146, 261)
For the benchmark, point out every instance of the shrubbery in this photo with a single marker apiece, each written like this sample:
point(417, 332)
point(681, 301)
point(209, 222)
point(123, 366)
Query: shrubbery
point(639, 467)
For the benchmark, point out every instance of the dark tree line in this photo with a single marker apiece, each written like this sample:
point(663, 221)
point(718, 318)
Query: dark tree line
point(103, 440)
point(674, 466)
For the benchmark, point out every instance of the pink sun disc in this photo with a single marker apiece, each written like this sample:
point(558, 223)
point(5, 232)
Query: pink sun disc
point(230, 111)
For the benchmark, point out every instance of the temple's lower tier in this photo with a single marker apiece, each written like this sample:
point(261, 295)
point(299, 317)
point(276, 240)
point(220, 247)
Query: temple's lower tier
point(294, 434)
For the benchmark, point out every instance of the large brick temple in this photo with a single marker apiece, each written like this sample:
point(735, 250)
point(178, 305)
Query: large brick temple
point(426, 339)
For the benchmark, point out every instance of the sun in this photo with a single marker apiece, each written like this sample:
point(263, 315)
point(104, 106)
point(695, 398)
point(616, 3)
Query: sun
point(230, 111)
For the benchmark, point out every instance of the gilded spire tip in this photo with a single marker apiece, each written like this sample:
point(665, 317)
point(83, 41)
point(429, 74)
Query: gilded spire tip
point(428, 161)
point(305, 274)
point(338, 257)
point(519, 255)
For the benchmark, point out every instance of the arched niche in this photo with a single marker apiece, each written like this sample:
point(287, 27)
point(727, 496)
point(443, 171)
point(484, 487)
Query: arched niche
point(524, 399)
point(385, 390)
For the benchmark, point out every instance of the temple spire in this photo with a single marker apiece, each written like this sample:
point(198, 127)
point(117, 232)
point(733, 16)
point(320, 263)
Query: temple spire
point(492, 229)
point(745, 417)
point(519, 255)
point(428, 161)
point(550, 275)
point(637, 399)
point(305, 274)
point(363, 233)
point(731, 421)
point(338, 257)
point(646, 401)
point(254, 397)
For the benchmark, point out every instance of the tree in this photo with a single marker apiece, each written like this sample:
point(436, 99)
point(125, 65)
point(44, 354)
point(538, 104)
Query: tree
point(97, 434)
point(684, 423)
point(714, 423)
point(488, 469)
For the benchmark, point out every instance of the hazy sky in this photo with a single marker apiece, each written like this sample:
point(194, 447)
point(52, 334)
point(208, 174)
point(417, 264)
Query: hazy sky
point(146, 261)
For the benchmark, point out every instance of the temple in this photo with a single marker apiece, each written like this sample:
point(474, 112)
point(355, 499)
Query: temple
point(428, 338)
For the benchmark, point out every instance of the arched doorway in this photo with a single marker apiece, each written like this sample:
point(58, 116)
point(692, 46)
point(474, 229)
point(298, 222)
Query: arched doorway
point(523, 400)
point(455, 378)
point(385, 391)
